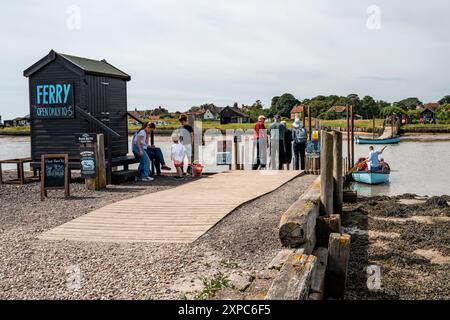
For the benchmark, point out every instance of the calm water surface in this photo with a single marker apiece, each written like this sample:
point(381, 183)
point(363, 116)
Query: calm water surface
point(420, 167)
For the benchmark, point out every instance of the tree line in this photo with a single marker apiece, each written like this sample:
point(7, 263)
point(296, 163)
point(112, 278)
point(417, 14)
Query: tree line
point(367, 107)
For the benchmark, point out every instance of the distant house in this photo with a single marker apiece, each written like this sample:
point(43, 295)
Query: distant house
point(429, 113)
point(211, 112)
point(207, 112)
point(18, 122)
point(137, 114)
point(341, 112)
point(233, 115)
point(22, 121)
point(297, 111)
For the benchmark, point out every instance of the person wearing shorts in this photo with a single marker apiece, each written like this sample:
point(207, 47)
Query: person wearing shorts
point(187, 139)
point(177, 154)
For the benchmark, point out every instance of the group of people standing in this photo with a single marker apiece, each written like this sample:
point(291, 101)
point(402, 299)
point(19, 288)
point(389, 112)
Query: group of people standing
point(144, 150)
point(284, 144)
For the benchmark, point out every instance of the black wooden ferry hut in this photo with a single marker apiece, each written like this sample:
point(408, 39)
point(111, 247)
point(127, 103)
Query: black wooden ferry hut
point(71, 95)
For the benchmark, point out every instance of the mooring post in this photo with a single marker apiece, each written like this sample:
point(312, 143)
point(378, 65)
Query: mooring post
point(326, 166)
point(353, 135)
point(338, 174)
point(100, 180)
point(373, 128)
point(348, 139)
point(338, 258)
point(310, 123)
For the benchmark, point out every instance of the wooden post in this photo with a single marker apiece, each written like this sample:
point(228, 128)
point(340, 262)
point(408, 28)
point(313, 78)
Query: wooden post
point(304, 117)
point(373, 128)
point(348, 139)
point(326, 166)
point(109, 144)
point(393, 125)
point(353, 135)
point(310, 123)
point(325, 226)
point(100, 181)
point(338, 258)
point(338, 175)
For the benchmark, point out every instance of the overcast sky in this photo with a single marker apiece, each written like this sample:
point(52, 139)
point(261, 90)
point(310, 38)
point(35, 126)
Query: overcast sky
point(189, 52)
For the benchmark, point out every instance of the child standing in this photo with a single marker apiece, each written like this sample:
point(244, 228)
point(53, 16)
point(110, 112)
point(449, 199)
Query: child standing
point(178, 153)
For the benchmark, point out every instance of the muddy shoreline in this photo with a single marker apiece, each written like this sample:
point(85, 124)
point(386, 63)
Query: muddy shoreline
point(407, 239)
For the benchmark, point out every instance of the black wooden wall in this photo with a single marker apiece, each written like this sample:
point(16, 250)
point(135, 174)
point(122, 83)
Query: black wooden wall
point(104, 98)
point(56, 135)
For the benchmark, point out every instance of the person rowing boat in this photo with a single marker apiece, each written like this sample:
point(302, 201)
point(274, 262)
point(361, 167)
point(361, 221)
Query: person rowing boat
point(373, 158)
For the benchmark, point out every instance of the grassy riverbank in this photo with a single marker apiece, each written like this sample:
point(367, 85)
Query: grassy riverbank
point(335, 124)
point(15, 131)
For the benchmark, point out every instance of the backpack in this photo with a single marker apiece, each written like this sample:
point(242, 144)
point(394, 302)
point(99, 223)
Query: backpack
point(300, 136)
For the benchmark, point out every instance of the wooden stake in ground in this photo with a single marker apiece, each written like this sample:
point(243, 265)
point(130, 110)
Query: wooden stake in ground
point(353, 134)
point(326, 166)
point(99, 181)
point(338, 257)
point(349, 160)
point(325, 226)
point(338, 173)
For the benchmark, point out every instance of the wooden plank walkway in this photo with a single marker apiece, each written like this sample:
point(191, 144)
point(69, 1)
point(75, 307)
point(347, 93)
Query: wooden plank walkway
point(178, 215)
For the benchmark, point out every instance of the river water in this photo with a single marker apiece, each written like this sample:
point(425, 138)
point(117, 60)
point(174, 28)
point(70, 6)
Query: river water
point(419, 167)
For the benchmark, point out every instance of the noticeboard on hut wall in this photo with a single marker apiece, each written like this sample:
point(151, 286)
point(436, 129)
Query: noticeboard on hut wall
point(53, 100)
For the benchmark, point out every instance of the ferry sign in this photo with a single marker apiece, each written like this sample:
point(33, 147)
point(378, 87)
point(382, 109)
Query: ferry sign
point(53, 101)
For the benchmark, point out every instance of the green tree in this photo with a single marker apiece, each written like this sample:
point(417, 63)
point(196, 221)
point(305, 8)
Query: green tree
point(283, 105)
point(443, 113)
point(408, 103)
point(445, 100)
point(256, 110)
point(369, 108)
point(389, 111)
point(381, 105)
point(194, 109)
point(414, 114)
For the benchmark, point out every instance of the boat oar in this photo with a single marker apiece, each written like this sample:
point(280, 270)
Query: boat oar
point(353, 169)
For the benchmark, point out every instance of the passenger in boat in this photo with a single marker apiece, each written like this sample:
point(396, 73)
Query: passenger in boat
point(372, 159)
point(362, 164)
point(384, 166)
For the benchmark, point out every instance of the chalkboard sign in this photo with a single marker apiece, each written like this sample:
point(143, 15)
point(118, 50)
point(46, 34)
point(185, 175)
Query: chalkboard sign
point(54, 173)
point(88, 163)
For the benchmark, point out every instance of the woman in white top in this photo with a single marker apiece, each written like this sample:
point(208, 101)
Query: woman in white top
point(140, 152)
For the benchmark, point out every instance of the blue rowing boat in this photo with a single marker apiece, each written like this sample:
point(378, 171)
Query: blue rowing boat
point(392, 140)
point(371, 177)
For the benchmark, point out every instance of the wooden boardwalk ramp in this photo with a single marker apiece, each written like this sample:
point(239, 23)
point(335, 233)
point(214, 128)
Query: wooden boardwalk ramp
point(178, 215)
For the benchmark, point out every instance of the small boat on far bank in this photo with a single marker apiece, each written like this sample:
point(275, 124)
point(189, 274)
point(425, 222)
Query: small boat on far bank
point(392, 140)
point(371, 177)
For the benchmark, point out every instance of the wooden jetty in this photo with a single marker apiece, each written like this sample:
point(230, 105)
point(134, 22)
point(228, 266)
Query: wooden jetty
point(178, 215)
